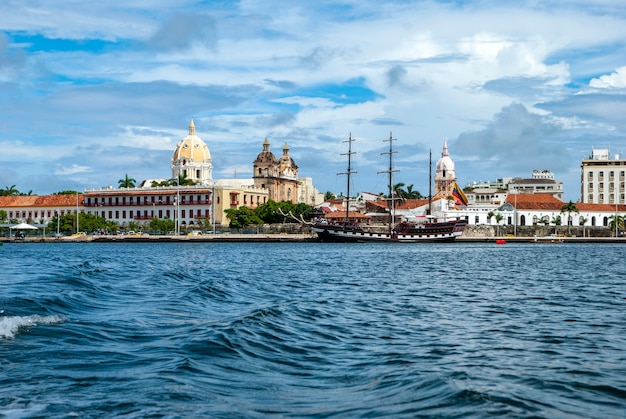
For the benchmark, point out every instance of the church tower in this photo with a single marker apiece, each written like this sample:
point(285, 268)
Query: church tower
point(192, 158)
point(445, 177)
point(279, 176)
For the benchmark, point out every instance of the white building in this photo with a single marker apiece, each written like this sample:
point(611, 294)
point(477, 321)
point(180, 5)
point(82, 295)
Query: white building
point(602, 178)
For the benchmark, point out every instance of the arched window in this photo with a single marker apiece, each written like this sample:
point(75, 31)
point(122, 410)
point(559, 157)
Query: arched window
point(605, 221)
point(522, 220)
point(534, 220)
point(593, 221)
point(581, 220)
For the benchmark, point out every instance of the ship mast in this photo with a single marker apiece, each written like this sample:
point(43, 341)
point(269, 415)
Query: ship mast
point(348, 173)
point(430, 181)
point(390, 172)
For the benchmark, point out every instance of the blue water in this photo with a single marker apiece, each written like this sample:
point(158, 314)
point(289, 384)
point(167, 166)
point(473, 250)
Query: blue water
point(232, 330)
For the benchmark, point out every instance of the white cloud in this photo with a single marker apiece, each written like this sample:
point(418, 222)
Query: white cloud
point(73, 169)
point(617, 79)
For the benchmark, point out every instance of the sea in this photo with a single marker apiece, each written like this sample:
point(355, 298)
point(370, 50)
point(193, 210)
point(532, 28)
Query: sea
point(312, 330)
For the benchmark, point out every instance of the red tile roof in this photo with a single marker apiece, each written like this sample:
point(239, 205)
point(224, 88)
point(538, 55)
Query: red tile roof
point(548, 202)
point(39, 201)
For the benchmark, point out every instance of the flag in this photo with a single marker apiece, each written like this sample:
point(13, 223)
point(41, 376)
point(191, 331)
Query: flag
point(458, 195)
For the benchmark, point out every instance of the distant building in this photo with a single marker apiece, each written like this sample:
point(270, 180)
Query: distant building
point(542, 181)
point(278, 176)
point(192, 159)
point(203, 203)
point(602, 178)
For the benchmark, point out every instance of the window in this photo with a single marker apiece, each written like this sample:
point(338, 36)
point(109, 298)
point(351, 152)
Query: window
point(534, 220)
point(590, 176)
point(476, 220)
point(590, 186)
point(601, 186)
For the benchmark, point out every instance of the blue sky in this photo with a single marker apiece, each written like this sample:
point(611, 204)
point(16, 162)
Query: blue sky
point(90, 92)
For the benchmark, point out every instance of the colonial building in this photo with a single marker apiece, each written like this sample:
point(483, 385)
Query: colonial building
point(278, 176)
point(602, 178)
point(202, 204)
point(39, 209)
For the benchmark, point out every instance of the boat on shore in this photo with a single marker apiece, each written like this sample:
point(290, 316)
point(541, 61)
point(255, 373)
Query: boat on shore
point(430, 229)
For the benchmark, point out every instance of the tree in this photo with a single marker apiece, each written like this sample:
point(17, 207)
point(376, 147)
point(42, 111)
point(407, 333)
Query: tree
point(127, 182)
point(621, 221)
point(557, 222)
point(499, 218)
point(9, 191)
point(328, 196)
point(182, 180)
point(3, 216)
point(569, 208)
point(399, 192)
point(490, 215)
point(161, 225)
point(242, 217)
point(67, 192)
point(582, 222)
point(411, 194)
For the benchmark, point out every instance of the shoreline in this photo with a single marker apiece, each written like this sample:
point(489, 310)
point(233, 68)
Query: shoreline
point(289, 237)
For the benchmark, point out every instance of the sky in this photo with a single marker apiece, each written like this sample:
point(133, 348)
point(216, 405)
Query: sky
point(91, 91)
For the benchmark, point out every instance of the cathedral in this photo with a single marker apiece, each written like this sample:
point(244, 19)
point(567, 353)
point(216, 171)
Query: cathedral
point(445, 178)
point(278, 176)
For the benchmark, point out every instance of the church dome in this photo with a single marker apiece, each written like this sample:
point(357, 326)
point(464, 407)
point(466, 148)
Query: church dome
point(445, 163)
point(191, 148)
point(266, 156)
point(192, 158)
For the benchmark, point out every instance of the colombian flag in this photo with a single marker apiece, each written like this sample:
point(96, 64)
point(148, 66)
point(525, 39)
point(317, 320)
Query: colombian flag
point(458, 195)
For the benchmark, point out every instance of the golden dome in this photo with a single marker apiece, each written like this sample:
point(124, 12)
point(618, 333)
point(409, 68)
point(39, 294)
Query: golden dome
point(191, 148)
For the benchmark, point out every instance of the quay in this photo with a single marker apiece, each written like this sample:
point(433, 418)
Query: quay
point(287, 237)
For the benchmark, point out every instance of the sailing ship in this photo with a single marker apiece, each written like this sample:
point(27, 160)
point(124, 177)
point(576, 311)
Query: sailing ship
point(349, 230)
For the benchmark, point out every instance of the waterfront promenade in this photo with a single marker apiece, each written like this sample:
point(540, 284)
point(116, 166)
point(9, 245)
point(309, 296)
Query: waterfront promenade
point(286, 237)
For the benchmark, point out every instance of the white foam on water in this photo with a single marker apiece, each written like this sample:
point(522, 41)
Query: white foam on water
point(12, 325)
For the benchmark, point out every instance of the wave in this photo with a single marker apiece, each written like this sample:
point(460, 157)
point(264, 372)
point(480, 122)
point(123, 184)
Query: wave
point(12, 325)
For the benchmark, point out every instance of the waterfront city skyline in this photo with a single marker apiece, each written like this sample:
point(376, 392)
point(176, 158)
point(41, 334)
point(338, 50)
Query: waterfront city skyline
point(91, 92)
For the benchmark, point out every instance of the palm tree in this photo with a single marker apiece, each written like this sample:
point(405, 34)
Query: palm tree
point(557, 222)
point(127, 182)
point(399, 192)
point(582, 222)
point(490, 215)
point(328, 196)
point(10, 191)
point(411, 194)
point(569, 208)
point(621, 221)
point(499, 218)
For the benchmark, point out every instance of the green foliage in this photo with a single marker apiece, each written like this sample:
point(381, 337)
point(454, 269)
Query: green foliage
point(127, 182)
point(154, 183)
point(87, 222)
point(242, 217)
point(161, 225)
point(621, 221)
point(11, 191)
point(269, 213)
point(3, 216)
point(67, 192)
point(328, 196)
